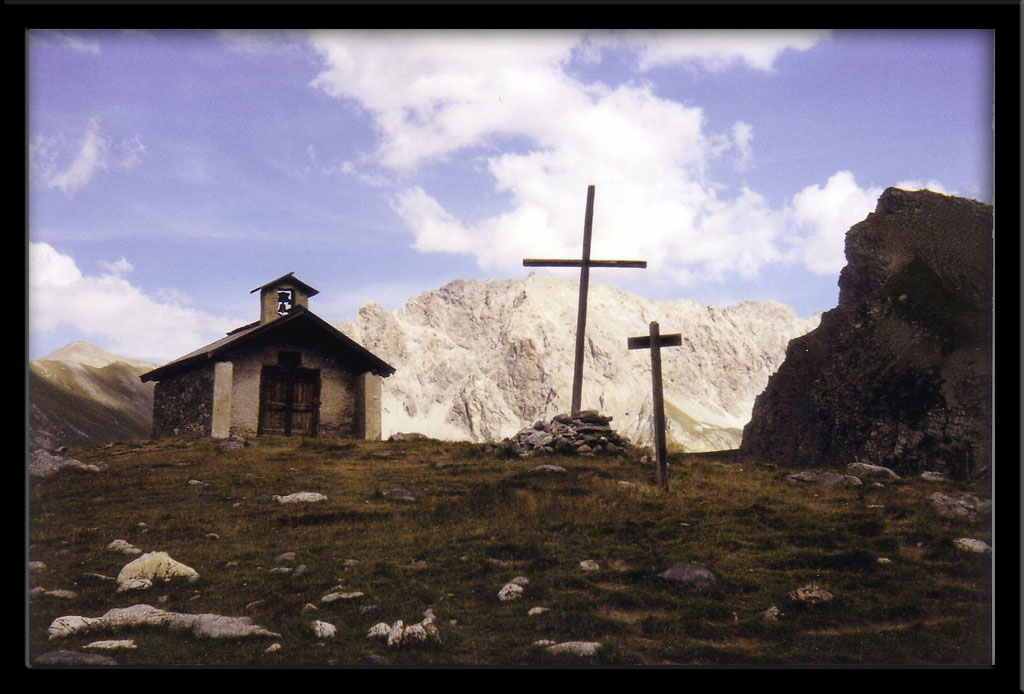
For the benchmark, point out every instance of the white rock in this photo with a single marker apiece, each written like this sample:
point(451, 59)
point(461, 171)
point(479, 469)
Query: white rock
point(379, 631)
point(112, 645)
point(134, 584)
point(869, 470)
point(520, 581)
point(577, 648)
point(299, 498)
point(72, 624)
point(36, 566)
point(155, 566)
point(772, 614)
point(510, 591)
point(544, 642)
point(273, 648)
point(966, 544)
point(395, 634)
point(199, 625)
point(324, 630)
point(331, 597)
point(589, 565)
point(884, 560)
point(534, 611)
point(123, 547)
point(64, 594)
point(934, 476)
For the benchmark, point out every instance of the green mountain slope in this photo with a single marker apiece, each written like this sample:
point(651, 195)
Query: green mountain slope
point(76, 404)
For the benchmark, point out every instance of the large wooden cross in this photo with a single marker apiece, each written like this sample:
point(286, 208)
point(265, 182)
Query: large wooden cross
point(584, 264)
point(654, 342)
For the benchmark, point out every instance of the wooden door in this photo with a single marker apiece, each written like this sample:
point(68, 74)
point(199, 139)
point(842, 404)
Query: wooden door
point(289, 401)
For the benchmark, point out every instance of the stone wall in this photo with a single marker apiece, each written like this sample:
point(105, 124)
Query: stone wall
point(183, 404)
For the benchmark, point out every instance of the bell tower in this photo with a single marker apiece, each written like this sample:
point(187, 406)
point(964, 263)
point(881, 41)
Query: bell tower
point(279, 297)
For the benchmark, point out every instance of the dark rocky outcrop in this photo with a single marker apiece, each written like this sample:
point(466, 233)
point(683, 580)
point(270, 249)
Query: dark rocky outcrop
point(900, 372)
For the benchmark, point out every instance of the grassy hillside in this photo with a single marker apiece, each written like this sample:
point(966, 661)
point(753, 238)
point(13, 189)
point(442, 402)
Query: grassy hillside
point(78, 405)
point(480, 519)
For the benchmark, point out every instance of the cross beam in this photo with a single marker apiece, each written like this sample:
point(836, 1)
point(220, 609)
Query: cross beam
point(584, 264)
point(654, 342)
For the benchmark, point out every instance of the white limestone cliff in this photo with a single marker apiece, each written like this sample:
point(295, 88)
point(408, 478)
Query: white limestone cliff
point(480, 360)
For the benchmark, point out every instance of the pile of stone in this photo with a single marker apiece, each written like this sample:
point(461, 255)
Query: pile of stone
point(586, 433)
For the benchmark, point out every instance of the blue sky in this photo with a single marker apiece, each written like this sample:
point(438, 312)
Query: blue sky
point(171, 172)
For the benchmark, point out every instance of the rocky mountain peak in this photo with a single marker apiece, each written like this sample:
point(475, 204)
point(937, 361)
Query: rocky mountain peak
point(479, 360)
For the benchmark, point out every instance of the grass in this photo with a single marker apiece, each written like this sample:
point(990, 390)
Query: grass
point(480, 519)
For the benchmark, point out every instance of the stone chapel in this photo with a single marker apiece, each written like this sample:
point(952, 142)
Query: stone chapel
point(288, 374)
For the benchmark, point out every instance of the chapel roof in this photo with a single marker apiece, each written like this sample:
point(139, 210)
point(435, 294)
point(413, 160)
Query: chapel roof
point(299, 316)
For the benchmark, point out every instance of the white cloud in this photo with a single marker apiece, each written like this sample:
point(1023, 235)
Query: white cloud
point(824, 215)
point(432, 94)
point(119, 268)
point(53, 163)
point(712, 50)
point(109, 310)
point(75, 43)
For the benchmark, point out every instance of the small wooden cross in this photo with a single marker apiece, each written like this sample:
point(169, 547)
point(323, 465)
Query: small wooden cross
point(584, 264)
point(654, 342)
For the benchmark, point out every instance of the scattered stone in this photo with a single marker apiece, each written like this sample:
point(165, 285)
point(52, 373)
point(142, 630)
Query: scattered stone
point(285, 558)
point(254, 605)
point(36, 567)
point(122, 547)
point(62, 594)
point(133, 584)
point(153, 566)
point(966, 544)
point(411, 436)
point(772, 614)
point(300, 570)
point(589, 565)
point(566, 435)
point(273, 648)
point(112, 645)
point(232, 443)
point(969, 507)
point(299, 498)
point(332, 597)
point(510, 591)
point(520, 581)
point(690, 576)
point(36, 592)
point(931, 476)
point(196, 483)
point(534, 611)
point(231, 565)
point(309, 607)
point(548, 468)
point(349, 563)
point(323, 630)
point(74, 658)
point(379, 631)
point(810, 595)
point(212, 536)
point(543, 642)
point(577, 648)
point(199, 625)
point(373, 659)
point(398, 494)
point(825, 479)
point(44, 464)
point(869, 471)
point(280, 570)
point(369, 609)
point(884, 560)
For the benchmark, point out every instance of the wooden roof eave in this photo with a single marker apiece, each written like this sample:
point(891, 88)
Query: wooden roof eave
point(236, 338)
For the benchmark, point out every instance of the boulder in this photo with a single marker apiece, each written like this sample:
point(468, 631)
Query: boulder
point(824, 479)
point(584, 649)
point(967, 544)
point(899, 374)
point(689, 576)
point(153, 566)
point(869, 471)
point(299, 498)
point(74, 659)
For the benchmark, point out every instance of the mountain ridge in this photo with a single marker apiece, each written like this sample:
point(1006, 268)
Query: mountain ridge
point(480, 359)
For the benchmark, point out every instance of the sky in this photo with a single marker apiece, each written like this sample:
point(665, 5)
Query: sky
point(171, 172)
